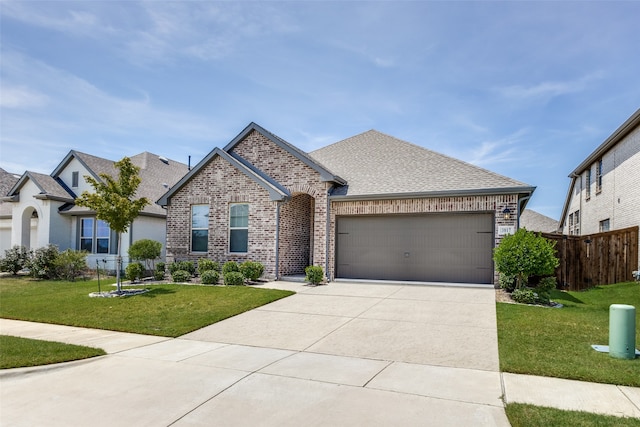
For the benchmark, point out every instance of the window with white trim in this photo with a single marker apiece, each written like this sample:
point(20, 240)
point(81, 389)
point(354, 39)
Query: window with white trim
point(95, 236)
point(199, 228)
point(587, 184)
point(576, 218)
point(604, 225)
point(239, 227)
point(74, 179)
point(599, 176)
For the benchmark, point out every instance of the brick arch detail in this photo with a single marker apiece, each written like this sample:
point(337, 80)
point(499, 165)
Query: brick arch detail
point(303, 189)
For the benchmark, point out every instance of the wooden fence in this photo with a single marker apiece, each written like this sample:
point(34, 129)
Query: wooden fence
point(595, 259)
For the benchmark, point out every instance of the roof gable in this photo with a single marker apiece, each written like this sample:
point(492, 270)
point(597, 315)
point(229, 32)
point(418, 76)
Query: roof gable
point(275, 190)
point(48, 186)
point(325, 174)
point(379, 165)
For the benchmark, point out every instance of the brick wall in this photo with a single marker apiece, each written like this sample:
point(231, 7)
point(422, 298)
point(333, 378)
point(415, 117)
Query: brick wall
point(219, 184)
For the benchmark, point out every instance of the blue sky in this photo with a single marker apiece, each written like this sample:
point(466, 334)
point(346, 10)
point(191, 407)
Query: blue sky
point(525, 89)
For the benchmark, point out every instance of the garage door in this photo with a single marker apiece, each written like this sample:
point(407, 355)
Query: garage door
point(453, 248)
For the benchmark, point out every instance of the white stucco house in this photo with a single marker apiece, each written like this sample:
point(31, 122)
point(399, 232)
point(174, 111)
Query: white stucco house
point(604, 193)
point(39, 209)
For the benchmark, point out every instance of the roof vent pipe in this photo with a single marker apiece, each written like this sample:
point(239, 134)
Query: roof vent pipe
point(189, 164)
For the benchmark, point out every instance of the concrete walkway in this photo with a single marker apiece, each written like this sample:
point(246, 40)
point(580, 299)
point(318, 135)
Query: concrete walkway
point(342, 354)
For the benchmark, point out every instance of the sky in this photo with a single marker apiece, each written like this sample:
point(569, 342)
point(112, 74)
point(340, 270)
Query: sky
point(524, 89)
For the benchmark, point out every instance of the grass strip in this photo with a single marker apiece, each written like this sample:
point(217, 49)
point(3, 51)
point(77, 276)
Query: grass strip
point(523, 415)
point(19, 352)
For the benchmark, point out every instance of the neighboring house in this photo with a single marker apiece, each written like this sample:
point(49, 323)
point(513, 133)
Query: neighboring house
point(7, 181)
point(535, 221)
point(42, 209)
point(368, 207)
point(604, 193)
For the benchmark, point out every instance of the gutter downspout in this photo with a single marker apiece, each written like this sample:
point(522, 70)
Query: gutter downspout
point(277, 239)
point(327, 236)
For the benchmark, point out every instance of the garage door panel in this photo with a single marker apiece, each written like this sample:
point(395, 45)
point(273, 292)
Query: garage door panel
point(432, 247)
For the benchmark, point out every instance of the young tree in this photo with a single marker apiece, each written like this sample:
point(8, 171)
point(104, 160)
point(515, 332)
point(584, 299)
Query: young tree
point(525, 254)
point(145, 250)
point(114, 203)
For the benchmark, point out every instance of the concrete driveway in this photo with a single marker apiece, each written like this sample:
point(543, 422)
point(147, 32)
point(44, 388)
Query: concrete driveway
point(343, 354)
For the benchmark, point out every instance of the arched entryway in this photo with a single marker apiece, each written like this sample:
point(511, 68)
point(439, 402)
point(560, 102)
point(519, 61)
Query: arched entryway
point(29, 227)
point(296, 234)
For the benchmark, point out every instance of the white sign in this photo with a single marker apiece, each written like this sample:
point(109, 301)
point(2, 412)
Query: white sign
point(503, 230)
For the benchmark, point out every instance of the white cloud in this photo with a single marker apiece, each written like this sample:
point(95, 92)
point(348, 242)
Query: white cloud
point(21, 97)
point(548, 89)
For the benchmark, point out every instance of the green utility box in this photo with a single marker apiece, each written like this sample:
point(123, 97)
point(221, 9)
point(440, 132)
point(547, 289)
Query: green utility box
point(622, 331)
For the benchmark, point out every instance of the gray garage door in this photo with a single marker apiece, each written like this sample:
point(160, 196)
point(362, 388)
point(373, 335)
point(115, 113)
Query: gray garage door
point(453, 248)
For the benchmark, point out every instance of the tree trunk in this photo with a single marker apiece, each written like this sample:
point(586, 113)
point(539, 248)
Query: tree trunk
point(119, 263)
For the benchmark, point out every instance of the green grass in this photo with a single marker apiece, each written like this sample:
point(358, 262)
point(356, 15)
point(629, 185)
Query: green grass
point(557, 342)
point(18, 352)
point(521, 415)
point(167, 310)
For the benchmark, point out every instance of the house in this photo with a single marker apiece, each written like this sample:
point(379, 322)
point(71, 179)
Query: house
point(41, 209)
point(7, 181)
point(368, 207)
point(604, 193)
point(535, 221)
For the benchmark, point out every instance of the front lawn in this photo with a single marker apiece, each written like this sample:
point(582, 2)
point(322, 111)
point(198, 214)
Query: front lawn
point(22, 352)
point(167, 310)
point(557, 342)
point(521, 415)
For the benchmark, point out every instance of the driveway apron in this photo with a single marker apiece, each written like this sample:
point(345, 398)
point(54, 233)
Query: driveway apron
point(340, 354)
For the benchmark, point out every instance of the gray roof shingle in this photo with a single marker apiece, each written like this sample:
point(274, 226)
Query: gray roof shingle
point(376, 164)
point(535, 221)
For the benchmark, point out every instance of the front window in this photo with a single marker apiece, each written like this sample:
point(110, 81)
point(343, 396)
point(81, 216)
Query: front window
point(239, 227)
point(604, 225)
point(576, 217)
point(199, 228)
point(95, 236)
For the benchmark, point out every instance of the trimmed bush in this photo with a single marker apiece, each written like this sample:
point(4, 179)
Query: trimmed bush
point(42, 264)
point(158, 274)
point(134, 271)
point(524, 296)
point(251, 270)
point(180, 276)
point(314, 274)
point(210, 277)
point(145, 250)
point(233, 278)
point(230, 266)
point(15, 259)
point(207, 265)
point(71, 264)
point(544, 288)
point(182, 265)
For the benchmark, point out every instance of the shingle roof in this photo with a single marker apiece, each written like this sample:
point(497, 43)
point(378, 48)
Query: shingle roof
point(48, 186)
point(535, 221)
point(7, 181)
point(376, 164)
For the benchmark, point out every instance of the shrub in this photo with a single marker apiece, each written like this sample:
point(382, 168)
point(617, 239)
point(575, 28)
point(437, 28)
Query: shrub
point(207, 265)
point(134, 271)
point(180, 276)
point(182, 265)
point(233, 278)
point(230, 266)
point(210, 277)
point(15, 259)
point(507, 282)
point(145, 250)
point(42, 264)
point(525, 254)
point(524, 296)
point(314, 274)
point(158, 274)
point(251, 270)
point(544, 288)
point(71, 264)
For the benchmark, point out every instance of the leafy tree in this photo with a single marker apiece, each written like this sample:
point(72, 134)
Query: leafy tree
point(525, 254)
point(113, 201)
point(145, 250)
